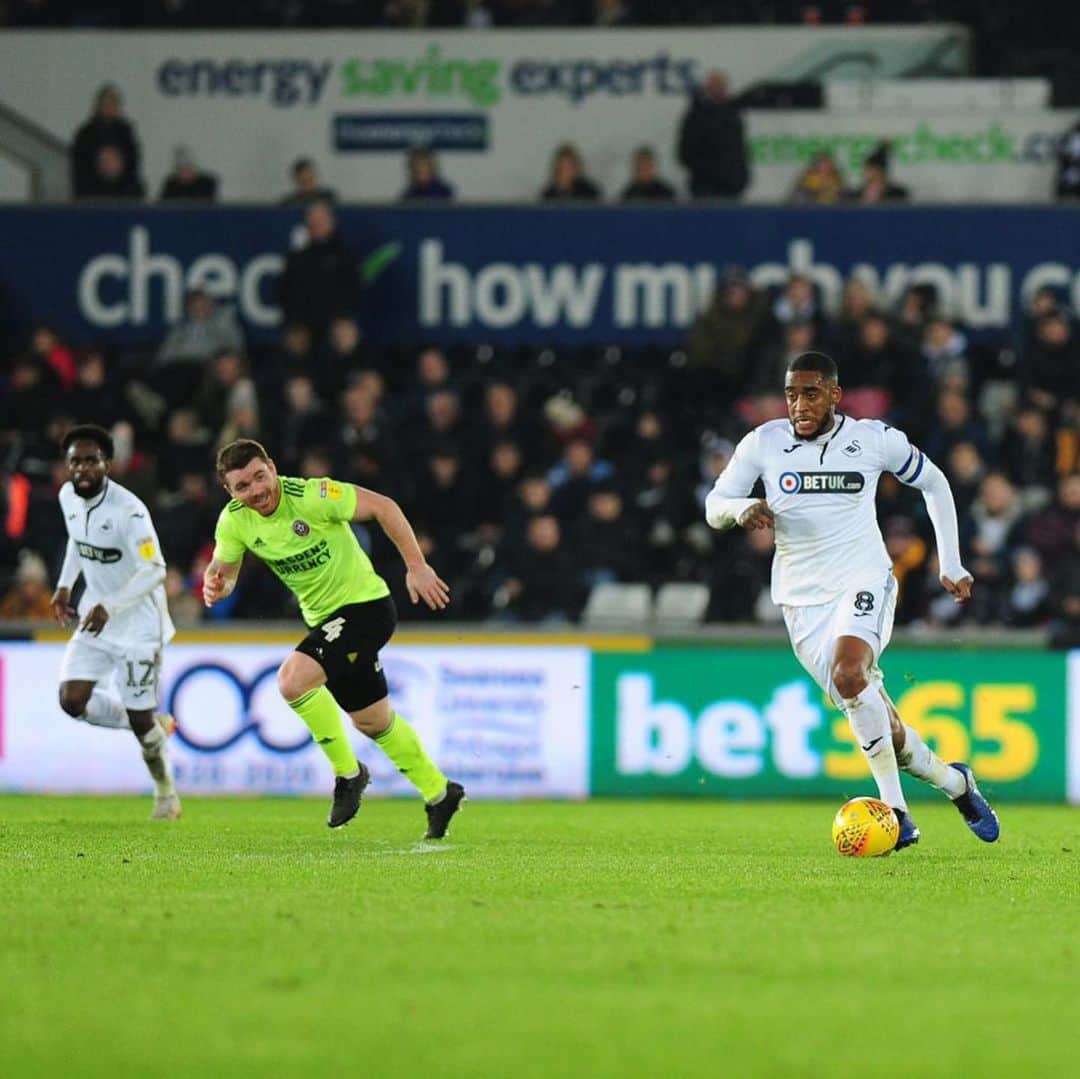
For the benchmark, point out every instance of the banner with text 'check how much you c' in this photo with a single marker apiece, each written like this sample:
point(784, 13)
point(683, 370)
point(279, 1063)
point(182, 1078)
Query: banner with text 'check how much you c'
point(506, 722)
point(522, 275)
point(493, 104)
point(752, 723)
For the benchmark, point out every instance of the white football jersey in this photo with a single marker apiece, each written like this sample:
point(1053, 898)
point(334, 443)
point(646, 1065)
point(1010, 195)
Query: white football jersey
point(821, 493)
point(114, 537)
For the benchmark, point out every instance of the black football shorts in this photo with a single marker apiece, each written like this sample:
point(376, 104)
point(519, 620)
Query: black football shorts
point(346, 645)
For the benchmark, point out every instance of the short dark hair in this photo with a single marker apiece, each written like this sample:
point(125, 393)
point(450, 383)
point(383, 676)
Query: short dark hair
point(815, 361)
point(239, 454)
point(300, 164)
point(89, 432)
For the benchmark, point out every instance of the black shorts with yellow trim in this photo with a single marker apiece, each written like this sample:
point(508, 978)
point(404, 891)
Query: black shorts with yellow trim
point(346, 645)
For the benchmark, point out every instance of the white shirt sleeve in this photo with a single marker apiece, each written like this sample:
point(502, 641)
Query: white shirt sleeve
point(69, 571)
point(728, 500)
point(141, 543)
point(912, 467)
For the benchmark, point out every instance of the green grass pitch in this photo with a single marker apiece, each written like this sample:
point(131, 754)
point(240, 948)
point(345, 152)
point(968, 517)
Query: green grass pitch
point(599, 939)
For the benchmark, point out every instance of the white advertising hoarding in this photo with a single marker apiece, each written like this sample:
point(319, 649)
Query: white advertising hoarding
point(507, 722)
point(494, 103)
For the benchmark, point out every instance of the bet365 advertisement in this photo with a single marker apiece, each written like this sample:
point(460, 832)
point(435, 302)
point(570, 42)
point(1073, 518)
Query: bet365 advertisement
point(515, 721)
point(750, 722)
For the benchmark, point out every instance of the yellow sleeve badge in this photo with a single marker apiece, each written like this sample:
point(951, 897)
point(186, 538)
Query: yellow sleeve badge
point(329, 489)
point(147, 549)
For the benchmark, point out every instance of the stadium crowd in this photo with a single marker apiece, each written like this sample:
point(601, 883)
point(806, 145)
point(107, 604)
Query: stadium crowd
point(533, 474)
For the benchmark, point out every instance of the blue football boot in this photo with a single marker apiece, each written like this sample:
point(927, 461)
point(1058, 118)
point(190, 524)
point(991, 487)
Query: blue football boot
point(909, 830)
point(975, 809)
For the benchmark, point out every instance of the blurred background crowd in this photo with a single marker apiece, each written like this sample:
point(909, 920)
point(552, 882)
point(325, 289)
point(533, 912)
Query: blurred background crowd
point(533, 474)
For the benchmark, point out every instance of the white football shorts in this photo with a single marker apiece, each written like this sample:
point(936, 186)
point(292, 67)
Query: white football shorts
point(865, 611)
point(137, 666)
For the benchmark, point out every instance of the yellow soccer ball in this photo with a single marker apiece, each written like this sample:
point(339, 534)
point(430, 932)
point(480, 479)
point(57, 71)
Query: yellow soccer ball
point(865, 828)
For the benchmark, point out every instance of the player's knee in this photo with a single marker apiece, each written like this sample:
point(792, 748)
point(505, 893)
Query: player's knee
point(73, 701)
point(291, 683)
point(849, 678)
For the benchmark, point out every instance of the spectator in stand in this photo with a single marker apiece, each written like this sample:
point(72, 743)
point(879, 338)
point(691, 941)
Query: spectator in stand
point(186, 450)
point(108, 180)
point(1050, 531)
point(227, 402)
point(908, 552)
point(712, 143)
point(1028, 454)
point(95, 393)
point(30, 596)
point(1027, 602)
point(364, 446)
point(303, 421)
point(996, 524)
point(339, 359)
point(606, 543)
point(531, 499)
point(186, 515)
point(913, 312)
point(955, 424)
point(612, 13)
point(965, 469)
point(1068, 172)
point(321, 280)
point(856, 306)
point(293, 353)
point(667, 512)
point(205, 331)
point(30, 398)
point(727, 334)
point(575, 477)
point(186, 182)
point(883, 363)
point(568, 180)
point(542, 584)
point(1049, 368)
point(1065, 602)
point(646, 185)
point(797, 302)
point(819, 184)
point(446, 503)
point(49, 348)
point(505, 470)
point(944, 348)
point(306, 189)
point(505, 421)
point(878, 186)
point(423, 178)
point(107, 128)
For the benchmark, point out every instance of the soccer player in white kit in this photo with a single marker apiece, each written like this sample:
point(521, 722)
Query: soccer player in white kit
point(832, 576)
point(125, 621)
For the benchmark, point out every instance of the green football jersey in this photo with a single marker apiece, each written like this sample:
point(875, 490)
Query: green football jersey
point(307, 542)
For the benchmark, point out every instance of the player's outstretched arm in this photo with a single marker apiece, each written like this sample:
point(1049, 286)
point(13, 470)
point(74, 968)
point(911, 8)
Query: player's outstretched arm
point(219, 579)
point(421, 580)
point(941, 508)
point(728, 504)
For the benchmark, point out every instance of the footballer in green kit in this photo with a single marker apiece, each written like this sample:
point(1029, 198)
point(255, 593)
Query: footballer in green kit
point(301, 529)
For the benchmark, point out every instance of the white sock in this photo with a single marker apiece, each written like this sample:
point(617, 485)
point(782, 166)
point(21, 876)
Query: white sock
point(105, 709)
point(920, 761)
point(157, 760)
point(869, 719)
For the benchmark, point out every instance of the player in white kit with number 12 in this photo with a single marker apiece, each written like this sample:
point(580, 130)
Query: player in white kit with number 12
point(123, 618)
point(832, 576)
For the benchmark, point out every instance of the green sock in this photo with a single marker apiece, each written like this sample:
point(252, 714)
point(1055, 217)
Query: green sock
point(320, 712)
point(401, 744)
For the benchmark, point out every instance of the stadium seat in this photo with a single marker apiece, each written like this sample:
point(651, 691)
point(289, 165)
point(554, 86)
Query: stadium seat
point(680, 605)
point(617, 606)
